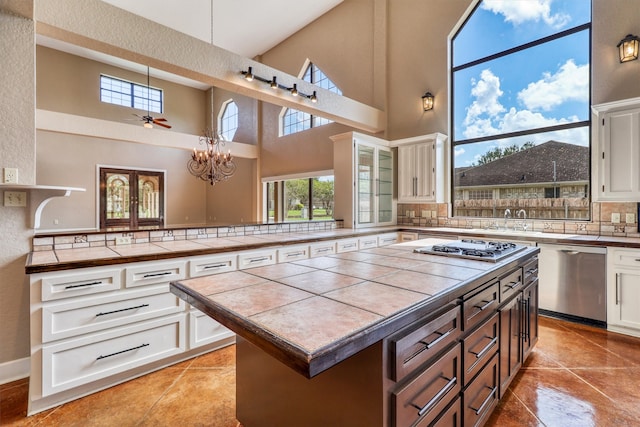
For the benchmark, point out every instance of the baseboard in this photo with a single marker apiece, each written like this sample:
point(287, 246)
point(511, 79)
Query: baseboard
point(14, 370)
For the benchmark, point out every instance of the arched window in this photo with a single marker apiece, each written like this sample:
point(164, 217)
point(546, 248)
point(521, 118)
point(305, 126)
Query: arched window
point(296, 121)
point(228, 120)
point(521, 84)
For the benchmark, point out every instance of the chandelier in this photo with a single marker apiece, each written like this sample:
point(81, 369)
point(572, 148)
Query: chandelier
point(211, 164)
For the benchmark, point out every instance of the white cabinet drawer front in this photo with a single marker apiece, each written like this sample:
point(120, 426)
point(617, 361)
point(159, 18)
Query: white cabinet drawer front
point(82, 283)
point(90, 315)
point(368, 242)
point(76, 362)
point(627, 258)
point(256, 258)
point(204, 330)
point(322, 249)
point(292, 253)
point(387, 239)
point(347, 245)
point(157, 272)
point(205, 266)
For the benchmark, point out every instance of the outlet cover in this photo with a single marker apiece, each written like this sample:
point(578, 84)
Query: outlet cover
point(15, 198)
point(10, 175)
point(123, 240)
point(615, 218)
point(630, 218)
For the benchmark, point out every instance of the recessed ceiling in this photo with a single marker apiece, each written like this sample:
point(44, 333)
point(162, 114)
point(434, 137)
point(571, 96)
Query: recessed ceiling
point(245, 27)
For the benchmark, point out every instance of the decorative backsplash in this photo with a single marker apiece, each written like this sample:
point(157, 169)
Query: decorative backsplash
point(93, 239)
point(604, 222)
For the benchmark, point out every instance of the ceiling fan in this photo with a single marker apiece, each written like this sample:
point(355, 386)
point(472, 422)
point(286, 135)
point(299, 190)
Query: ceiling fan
point(148, 120)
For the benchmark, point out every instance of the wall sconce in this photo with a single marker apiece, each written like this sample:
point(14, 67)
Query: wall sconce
point(628, 48)
point(427, 101)
point(273, 84)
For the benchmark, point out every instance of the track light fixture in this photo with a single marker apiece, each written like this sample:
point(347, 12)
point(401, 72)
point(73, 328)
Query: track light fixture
point(273, 84)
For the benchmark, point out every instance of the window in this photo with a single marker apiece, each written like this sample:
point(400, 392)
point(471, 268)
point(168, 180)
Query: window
point(129, 94)
point(299, 199)
point(131, 198)
point(228, 120)
point(521, 89)
point(296, 121)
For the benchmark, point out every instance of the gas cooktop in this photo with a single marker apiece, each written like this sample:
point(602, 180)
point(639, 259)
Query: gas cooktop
point(473, 249)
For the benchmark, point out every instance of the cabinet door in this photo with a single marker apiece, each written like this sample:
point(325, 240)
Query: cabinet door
point(425, 172)
point(510, 347)
point(366, 183)
point(623, 306)
point(621, 135)
point(529, 319)
point(406, 173)
point(384, 184)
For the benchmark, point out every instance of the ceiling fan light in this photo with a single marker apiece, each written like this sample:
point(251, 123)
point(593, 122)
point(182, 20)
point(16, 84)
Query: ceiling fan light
point(148, 125)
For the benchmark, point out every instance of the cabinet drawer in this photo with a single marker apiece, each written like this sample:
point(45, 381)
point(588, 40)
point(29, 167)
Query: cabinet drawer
point(204, 266)
point(413, 346)
point(387, 239)
point(77, 284)
point(256, 258)
point(322, 249)
point(346, 245)
point(482, 395)
point(76, 362)
point(368, 242)
point(429, 393)
point(157, 272)
point(451, 417)
point(480, 346)
point(84, 315)
point(511, 284)
point(292, 253)
point(204, 330)
point(530, 271)
point(476, 307)
point(626, 258)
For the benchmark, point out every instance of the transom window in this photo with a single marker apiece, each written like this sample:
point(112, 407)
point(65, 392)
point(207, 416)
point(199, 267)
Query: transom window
point(521, 89)
point(296, 121)
point(129, 94)
point(228, 120)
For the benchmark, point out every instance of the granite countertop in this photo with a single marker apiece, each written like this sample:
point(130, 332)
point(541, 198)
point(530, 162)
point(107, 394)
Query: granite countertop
point(313, 313)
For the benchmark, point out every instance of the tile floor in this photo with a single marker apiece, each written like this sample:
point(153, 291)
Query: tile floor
point(576, 376)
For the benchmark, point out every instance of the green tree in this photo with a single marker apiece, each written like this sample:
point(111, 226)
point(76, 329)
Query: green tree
point(498, 153)
point(297, 191)
point(323, 193)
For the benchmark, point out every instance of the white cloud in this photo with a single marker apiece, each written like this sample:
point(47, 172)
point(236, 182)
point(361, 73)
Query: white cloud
point(486, 92)
point(459, 151)
point(519, 11)
point(570, 83)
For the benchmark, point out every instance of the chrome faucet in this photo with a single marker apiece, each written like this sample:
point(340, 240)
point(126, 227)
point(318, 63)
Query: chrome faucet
point(507, 215)
point(523, 223)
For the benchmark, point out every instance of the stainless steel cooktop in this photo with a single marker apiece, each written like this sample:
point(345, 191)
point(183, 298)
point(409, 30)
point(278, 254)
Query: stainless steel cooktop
point(473, 249)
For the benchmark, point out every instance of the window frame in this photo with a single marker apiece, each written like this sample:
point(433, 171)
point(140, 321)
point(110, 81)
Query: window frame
point(222, 119)
point(277, 184)
point(133, 87)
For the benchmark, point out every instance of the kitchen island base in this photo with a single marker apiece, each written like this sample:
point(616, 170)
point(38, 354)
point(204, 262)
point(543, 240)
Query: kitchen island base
point(272, 394)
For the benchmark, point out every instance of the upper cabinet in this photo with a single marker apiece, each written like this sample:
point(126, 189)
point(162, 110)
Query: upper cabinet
point(421, 175)
point(363, 186)
point(616, 160)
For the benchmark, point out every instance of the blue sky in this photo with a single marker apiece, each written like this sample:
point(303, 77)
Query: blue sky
point(543, 86)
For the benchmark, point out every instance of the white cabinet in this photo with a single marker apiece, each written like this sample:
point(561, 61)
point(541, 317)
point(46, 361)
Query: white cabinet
point(623, 290)
point(617, 132)
point(363, 186)
point(421, 168)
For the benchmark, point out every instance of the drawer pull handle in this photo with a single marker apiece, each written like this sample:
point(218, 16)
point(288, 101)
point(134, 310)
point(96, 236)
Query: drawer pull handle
point(264, 258)
point(295, 254)
point(350, 245)
point(122, 309)
point(486, 348)
point(324, 250)
point(164, 273)
point(485, 306)
point(206, 267)
point(486, 400)
point(430, 345)
point(123, 351)
point(82, 285)
point(438, 397)
point(513, 285)
point(532, 271)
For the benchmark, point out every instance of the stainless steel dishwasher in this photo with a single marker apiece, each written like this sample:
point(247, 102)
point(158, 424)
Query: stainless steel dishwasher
point(573, 282)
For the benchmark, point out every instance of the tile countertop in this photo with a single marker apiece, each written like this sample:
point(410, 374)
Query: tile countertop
point(313, 313)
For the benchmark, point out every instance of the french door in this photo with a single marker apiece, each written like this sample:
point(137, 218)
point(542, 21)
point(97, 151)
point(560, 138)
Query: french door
point(131, 198)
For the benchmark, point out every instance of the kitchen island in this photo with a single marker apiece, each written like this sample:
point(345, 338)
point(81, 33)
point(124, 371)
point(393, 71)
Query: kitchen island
point(377, 337)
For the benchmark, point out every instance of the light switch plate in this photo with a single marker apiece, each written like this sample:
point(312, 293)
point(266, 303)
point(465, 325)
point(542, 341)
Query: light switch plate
point(15, 198)
point(630, 218)
point(615, 218)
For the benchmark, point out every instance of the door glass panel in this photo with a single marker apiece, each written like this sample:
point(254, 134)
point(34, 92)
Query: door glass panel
point(365, 184)
point(296, 200)
point(148, 196)
point(385, 186)
point(117, 196)
point(322, 202)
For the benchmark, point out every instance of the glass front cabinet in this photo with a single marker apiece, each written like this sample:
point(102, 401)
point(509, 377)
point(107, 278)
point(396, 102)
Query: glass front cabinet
point(363, 187)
